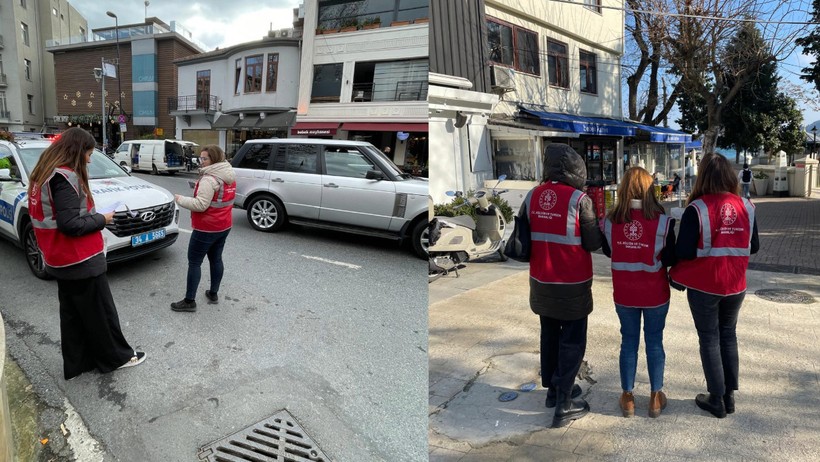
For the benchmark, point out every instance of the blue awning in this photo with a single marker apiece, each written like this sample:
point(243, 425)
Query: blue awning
point(664, 135)
point(581, 124)
point(696, 144)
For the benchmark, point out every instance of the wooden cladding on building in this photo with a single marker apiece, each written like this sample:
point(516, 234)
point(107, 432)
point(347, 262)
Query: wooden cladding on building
point(458, 41)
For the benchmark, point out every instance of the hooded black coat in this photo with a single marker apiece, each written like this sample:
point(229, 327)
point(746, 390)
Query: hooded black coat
point(566, 302)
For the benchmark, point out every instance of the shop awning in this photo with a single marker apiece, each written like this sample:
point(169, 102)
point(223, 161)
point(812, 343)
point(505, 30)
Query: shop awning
point(582, 124)
point(383, 127)
point(314, 128)
point(663, 134)
point(225, 121)
point(696, 144)
point(247, 122)
point(280, 120)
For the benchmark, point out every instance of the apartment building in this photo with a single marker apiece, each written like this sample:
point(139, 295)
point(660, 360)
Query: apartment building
point(364, 76)
point(27, 77)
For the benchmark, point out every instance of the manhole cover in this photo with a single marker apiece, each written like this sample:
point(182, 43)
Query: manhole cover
point(278, 438)
point(508, 396)
point(785, 296)
point(529, 386)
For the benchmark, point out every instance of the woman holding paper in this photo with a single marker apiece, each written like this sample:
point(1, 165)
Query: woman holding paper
point(69, 234)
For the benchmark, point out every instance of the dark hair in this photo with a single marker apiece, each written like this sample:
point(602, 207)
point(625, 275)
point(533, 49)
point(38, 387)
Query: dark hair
point(745, 166)
point(215, 153)
point(68, 151)
point(715, 176)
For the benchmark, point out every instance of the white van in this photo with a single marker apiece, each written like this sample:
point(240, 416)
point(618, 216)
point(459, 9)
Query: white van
point(155, 155)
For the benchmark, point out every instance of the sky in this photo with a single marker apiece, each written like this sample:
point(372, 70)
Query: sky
point(214, 23)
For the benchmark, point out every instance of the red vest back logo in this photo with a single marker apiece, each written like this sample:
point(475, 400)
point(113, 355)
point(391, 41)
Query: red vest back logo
point(633, 230)
point(548, 199)
point(728, 214)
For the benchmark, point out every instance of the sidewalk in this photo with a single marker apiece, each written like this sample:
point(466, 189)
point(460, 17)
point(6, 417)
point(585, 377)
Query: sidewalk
point(484, 342)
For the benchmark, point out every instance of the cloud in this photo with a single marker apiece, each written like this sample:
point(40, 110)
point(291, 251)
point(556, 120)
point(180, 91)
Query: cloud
point(214, 23)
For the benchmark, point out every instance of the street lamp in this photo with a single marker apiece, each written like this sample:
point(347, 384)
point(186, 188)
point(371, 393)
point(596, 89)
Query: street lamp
point(99, 75)
point(814, 143)
point(119, 86)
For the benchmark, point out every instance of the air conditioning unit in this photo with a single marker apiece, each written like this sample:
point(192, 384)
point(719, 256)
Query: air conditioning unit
point(502, 79)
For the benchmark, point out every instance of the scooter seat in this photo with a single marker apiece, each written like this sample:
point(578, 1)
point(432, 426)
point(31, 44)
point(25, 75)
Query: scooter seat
point(460, 220)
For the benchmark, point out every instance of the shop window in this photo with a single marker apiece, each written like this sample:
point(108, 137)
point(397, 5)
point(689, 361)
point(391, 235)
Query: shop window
point(327, 83)
point(600, 159)
point(557, 64)
point(589, 76)
point(515, 159)
point(513, 46)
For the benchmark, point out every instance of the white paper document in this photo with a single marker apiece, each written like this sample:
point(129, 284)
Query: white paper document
point(113, 208)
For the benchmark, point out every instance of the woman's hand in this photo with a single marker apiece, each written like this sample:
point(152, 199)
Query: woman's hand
point(109, 217)
point(176, 198)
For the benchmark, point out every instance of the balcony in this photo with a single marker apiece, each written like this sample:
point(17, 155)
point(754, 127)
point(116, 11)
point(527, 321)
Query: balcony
point(404, 90)
point(5, 115)
point(192, 105)
point(3, 80)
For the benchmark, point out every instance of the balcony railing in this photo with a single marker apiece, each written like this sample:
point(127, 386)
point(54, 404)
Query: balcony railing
point(405, 90)
point(193, 103)
point(5, 114)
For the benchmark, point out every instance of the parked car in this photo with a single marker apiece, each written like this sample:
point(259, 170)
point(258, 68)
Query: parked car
point(343, 185)
point(155, 155)
point(147, 220)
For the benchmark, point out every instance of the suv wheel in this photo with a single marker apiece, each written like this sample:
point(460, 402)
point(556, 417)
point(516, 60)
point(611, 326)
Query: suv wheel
point(420, 239)
point(266, 213)
point(34, 256)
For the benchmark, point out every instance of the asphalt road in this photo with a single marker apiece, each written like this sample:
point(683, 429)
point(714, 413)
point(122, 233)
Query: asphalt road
point(331, 327)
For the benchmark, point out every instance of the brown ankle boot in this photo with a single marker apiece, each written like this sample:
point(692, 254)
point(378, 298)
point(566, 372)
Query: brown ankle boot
point(627, 403)
point(657, 402)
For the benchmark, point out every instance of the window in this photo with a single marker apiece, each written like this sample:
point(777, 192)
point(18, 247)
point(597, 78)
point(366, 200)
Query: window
point(54, 11)
point(594, 5)
point(253, 74)
point(24, 28)
point(273, 71)
point(3, 107)
point(238, 82)
point(203, 89)
point(30, 104)
point(557, 64)
point(256, 157)
point(334, 13)
point(27, 68)
point(327, 83)
point(82, 33)
point(513, 46)
point(347, 162)
point(23, 3)
point(301, 158)
point(589, 76)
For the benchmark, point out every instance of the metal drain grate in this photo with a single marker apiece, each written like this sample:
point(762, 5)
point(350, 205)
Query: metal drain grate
point(278, 438)
point(785, 296)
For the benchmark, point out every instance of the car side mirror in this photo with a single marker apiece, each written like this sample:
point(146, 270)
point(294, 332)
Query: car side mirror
point(126, 168)
point(374, 175)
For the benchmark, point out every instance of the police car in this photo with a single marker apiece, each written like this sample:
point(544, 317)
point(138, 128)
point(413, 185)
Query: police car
point(146, 217)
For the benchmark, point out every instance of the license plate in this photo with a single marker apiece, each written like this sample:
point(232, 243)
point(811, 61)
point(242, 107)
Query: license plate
point(145, 238)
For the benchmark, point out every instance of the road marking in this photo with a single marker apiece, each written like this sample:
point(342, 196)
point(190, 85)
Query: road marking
point(333, 262)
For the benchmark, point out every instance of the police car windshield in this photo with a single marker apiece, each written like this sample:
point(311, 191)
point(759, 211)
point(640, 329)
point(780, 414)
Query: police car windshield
point(100, 167)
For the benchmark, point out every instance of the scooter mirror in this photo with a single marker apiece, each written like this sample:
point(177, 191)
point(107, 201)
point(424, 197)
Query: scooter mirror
point(451, 193)
point(502, 178)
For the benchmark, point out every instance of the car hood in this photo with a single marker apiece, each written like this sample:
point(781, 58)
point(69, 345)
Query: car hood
point(132, 191)
point(413, 186)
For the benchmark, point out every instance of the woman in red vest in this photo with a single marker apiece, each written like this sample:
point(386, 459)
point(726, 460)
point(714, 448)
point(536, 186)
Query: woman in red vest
point(718, 232)
point(211, 217)
point(640, 239)
point(69, 234)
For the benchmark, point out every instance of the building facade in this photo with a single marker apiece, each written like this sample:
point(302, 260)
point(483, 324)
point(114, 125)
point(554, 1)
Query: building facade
point(364, 76)
point(145, 81)
point(27, 77)
point(248, 91)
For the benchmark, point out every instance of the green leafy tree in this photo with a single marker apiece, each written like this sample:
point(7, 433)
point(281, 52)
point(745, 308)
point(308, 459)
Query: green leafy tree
point(811, 47)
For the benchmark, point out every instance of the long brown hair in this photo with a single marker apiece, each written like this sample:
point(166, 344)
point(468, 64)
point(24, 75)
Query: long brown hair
point(68, 151)
point(637, 183)
point(715, 176)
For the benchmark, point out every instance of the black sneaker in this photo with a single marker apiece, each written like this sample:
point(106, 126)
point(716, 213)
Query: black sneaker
point(184, 305)
point(212, 297)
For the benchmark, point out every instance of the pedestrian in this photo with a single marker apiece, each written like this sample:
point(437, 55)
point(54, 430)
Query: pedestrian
point(745, 177)
point(640, 240)
point(211, 218)
point(564, 231)
point(718, 232)
point(69, 233)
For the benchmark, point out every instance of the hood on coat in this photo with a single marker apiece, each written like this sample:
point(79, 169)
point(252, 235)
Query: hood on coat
point(562, 163)
point(221, 170)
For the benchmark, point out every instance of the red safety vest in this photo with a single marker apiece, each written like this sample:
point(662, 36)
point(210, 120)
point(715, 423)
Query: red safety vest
point(556, 253)
point(726, 223)
point(218, 216)
point(638, 277)
point(61, 250)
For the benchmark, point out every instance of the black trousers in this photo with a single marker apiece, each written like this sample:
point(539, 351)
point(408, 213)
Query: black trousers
point(563, 344)
point(90, 327)
point(715, 319)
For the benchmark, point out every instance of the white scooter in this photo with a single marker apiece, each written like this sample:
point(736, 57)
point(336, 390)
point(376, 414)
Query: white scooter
point(455, 240)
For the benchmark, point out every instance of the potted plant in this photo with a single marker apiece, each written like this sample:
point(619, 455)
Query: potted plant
point(349, 25)
point(399, 23)
point(421, 20)
point(372, 23)
point(761, 182)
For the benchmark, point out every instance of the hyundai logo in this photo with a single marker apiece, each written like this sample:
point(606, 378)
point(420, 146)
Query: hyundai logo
point(148, 216)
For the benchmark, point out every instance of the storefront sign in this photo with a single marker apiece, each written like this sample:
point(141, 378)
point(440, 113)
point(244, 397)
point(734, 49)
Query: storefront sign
point(312, 131)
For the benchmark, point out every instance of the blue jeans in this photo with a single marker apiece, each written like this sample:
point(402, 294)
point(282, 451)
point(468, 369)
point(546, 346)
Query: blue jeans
point(746, 190)
point(654, 322)
point(202, 244)
point(715, 319)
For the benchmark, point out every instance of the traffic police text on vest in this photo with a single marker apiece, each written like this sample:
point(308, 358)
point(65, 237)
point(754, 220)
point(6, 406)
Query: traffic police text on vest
point(726, 223)
point(219, 216)
point(60, 250)
point(556, 231)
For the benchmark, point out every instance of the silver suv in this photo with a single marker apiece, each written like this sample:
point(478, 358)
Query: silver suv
point(344, 185)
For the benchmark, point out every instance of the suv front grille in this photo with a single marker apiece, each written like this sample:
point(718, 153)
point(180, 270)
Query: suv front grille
point(125, 225)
